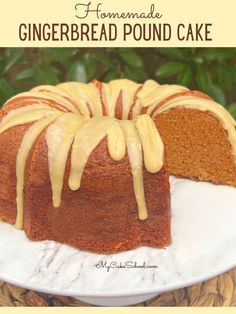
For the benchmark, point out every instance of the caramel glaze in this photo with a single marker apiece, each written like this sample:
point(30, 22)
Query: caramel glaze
point(77, 117)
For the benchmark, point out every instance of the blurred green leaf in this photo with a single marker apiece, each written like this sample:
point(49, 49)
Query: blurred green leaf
point(77, 72)
point(135, 74)
point(62, 55)
point(185, 76)
point(224, 75)
point(168, 69)
point(90, 66)
point(6, 91)
point(202, 78)
point(25, 75)
point(232, 109)
point(216, 93)
point(173, 53)
point(131, 58)
point(111, 75)
point(44, 74)
point(102, 58)
point(12, 55)
point(216, 54)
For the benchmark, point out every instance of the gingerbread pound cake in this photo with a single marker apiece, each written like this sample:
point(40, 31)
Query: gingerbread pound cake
point(71, 174)
point(85, 164)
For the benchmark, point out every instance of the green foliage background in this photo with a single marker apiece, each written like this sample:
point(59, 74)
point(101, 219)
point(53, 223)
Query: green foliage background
point(211, 70)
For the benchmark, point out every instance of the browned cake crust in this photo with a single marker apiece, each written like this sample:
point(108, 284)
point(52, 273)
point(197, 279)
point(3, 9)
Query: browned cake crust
point(101, 216)
point(10, 142)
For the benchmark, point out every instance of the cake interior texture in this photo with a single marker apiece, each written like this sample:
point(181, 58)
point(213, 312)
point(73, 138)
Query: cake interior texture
point(197, 146)
point(88, 165)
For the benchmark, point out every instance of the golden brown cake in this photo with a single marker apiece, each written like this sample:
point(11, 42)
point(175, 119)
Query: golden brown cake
point(85, 164)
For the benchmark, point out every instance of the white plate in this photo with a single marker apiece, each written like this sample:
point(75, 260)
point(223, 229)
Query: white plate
point(204, 245)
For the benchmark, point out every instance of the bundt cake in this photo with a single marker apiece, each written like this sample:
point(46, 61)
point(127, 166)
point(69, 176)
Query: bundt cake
point(85, 164)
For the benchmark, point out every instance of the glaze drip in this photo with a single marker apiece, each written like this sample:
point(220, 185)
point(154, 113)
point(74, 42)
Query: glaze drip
point(116, 141)
point(111, 92)
point(59, 137)
point(85, 95)
point(79, 125)
point(30, 137)
point(152, 144)
point(135, 157)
